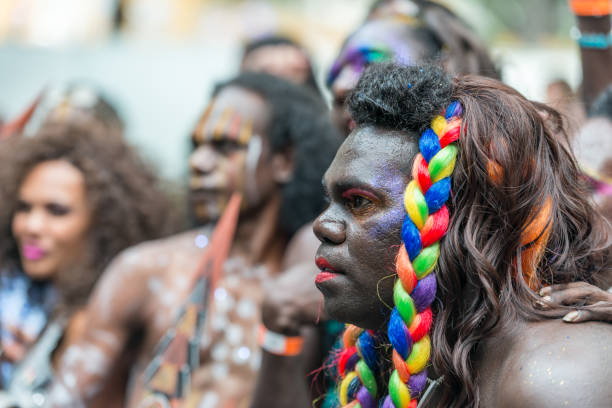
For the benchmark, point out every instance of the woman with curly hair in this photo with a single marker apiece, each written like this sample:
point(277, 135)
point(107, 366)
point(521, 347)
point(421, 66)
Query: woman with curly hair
point(72, 198)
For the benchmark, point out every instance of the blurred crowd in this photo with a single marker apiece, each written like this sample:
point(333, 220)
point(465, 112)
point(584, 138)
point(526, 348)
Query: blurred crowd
point(118, 288)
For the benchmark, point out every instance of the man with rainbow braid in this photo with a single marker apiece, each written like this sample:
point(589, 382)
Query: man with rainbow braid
point(451, 204)
point(408, 329)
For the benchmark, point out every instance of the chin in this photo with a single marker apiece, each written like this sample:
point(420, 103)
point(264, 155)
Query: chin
point(346, 311)
point(38, 272)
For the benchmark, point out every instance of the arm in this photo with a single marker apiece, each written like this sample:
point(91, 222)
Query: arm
point(91, 354)
point(596, 63)
point(292, 306)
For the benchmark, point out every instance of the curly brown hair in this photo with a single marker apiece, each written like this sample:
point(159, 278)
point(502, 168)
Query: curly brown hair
point(127, 207)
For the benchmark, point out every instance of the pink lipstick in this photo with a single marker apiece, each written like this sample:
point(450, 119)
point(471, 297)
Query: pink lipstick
point(33, 252)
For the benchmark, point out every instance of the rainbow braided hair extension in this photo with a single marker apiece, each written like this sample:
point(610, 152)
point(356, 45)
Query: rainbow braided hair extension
point(408, 330)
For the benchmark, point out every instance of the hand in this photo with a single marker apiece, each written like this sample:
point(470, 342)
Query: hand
point(591, 302)
point(14, 350)
point(292, 301)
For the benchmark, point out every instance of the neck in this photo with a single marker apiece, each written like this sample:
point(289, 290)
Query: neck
point(259, 238)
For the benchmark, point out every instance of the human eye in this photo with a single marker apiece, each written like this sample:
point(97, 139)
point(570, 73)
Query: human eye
point(358, 201)
point(23, 206)
point(194, 143)
point(58, 210)
point(227, 147)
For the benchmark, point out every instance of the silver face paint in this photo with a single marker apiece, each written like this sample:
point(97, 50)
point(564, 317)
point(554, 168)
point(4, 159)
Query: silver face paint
point(252, 160)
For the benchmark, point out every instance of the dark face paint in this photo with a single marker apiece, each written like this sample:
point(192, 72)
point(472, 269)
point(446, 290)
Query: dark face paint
point(360, 229)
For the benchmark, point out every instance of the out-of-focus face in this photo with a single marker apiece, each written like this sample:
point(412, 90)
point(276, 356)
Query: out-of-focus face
point(231, 154)
point(593, 148)
point(395, 8)
point(360, 229)
point(282, 60)
point(375, 41)
point(52, 219)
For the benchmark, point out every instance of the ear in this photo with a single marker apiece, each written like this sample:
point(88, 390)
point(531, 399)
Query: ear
point(283, 164)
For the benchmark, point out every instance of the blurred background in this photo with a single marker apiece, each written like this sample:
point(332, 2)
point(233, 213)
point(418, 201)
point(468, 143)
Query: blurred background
point(157, 60)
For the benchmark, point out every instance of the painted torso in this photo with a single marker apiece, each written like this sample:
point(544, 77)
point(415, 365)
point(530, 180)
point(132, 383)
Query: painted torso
point(229, 355)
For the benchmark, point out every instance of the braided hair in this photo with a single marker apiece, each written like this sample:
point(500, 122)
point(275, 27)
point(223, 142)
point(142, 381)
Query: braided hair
point(499, 236)
point(425, 224)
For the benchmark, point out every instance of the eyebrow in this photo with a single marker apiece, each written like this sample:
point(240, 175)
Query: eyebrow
point(351, 182)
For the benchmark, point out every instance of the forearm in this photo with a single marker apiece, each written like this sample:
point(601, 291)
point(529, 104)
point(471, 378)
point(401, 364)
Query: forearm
point(80, 375)
point(596, 63)
point(281, 383)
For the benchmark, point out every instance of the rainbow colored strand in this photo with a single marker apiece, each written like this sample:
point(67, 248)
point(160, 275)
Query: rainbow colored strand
point(408, 330)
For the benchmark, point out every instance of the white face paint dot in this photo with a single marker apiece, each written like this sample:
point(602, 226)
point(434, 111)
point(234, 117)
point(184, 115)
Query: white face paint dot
point(241, 355)
point(201, 241)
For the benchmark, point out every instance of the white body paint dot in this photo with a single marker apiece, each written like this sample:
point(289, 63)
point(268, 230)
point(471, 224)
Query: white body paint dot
point(220, 371)
point(234, 334)
point(201, 241)
point(241, 355)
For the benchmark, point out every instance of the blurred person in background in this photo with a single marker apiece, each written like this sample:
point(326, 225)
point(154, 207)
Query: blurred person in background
point(559, 95)
point(280, 56)
point(73, 195)
point(408, 32)
point(592, 34)
point(593, 147)
point(78, 102)
point(74, 102)
point(270, 140)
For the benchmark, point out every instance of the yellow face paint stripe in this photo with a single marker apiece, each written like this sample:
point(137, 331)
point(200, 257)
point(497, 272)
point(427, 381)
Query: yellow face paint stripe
point(246, 133)
point(220, 127)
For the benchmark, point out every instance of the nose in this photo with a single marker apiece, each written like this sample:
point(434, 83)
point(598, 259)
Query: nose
point(34, 222)
point(203, 160)
point(329, 230)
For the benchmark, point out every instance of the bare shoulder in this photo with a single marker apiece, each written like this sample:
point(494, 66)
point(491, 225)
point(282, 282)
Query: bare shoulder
point(152, 257)
point(122, 289)
point(555, 364)
point(302, 247)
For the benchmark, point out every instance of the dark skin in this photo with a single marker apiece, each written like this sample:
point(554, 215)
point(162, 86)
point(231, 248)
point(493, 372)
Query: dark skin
point(360, 229)
point(575, 364)
point(596, 63)
point(348, 231)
